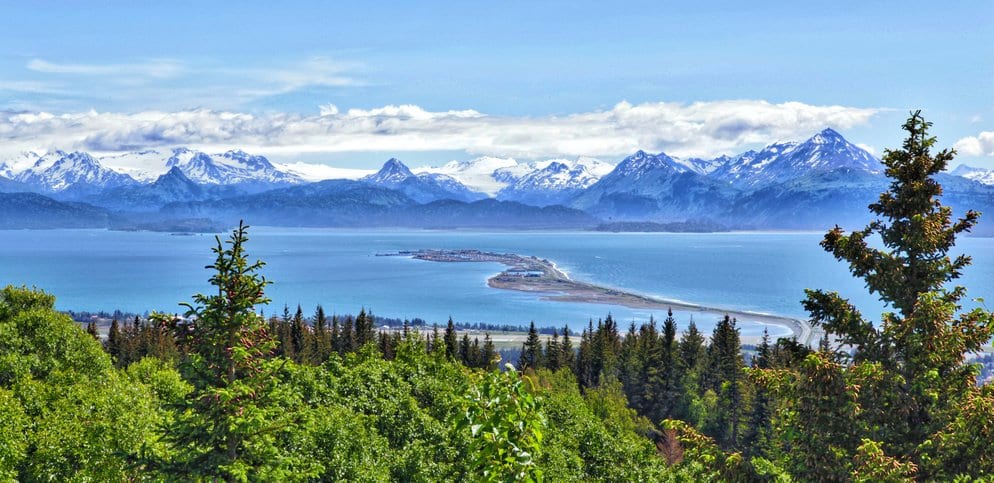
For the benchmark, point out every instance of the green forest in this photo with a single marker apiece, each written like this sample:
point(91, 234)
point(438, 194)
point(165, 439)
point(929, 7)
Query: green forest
point(224, 394)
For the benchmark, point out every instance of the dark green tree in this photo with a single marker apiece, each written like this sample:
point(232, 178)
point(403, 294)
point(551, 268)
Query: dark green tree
point(228, 426)
point(566, 355)
point(451, 342)
point(531, 350)
point(923, 343)
point(552, 351)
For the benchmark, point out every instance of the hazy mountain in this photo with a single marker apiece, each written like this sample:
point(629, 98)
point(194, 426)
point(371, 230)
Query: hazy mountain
point(174, 186)
point(653, 187)
point(552, 185)
point(424, 187)
point(32, 210)
point(348, 203)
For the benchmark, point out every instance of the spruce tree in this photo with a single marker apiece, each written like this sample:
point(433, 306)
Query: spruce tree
point(566, 355)
point(488, 354)
point(464, 347)
point(552, 351)
point(229, 424)
point(114, 342)
point(451, 342)
point(723, 376)
point(904, 257)
point(322, 337)
point(348, 335)
point(531, 350)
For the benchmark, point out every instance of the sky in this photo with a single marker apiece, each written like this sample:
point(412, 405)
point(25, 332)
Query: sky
point(349, 84)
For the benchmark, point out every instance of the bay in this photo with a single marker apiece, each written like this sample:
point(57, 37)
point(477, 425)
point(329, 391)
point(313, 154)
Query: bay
point(759, 272)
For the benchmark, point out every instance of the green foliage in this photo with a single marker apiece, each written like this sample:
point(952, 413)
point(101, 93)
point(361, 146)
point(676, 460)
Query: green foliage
point(506, 428)
point(14, 436)
point(65, 414)
point(910, 370)
point(230, 425)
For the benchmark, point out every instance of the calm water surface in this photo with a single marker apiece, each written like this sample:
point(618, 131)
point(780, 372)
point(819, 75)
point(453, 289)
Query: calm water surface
point(139, 271)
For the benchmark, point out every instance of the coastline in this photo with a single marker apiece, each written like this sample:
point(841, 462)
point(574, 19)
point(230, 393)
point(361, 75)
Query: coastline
point(541, 276)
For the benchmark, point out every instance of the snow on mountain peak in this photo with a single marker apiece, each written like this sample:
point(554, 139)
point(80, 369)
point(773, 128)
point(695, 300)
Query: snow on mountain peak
point(59, 171)
point(980, 175)
point(392, 173)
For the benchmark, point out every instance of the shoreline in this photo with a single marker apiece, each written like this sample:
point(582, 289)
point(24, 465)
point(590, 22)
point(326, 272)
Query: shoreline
point(541, 276)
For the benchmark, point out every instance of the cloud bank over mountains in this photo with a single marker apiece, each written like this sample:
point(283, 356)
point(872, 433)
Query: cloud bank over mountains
point(980, 145)
point(700, 129)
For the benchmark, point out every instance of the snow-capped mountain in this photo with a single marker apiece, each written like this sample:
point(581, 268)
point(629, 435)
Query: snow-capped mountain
point(551, 185)
point(653, 186)
point(477, 174)
point(391, 174)
point(230, 168)
point(174, 186)
point(980, 175)
point(490, 175)
point(59, 172)
point(779, 162)
point(424, 187)
point(704, 166)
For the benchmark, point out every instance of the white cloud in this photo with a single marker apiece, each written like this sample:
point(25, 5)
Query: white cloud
point(166, 83)
point(980, 145)
point(159, 69)
point(698, 129)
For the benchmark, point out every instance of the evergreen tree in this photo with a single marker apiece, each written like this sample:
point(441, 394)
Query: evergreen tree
point(531, 350)
point(348, 335)
point(464, 347)
point(755, 441)
point(552, 351)
point(322, 340)
point(299, 337)
point(229, 424)
point(723, 376)
point(584, 358)
point(114, 344)
point(365, 331)
point(91, 328)
point(566, 356)
point(664, 385)
point(488, 354)
point(437, 344)
point(922, 346)
point(692, 351)
point(451, 342)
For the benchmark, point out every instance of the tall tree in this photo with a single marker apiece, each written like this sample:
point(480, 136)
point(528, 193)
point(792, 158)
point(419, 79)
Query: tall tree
point(723, 376)
point(566, 356)
point(114, 344)
point(451, 342)
point(531, 350)
point(227, 423)
point(921, 347)
point(552, 351)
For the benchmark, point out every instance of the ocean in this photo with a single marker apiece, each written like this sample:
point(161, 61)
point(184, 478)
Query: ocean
point(760, 272)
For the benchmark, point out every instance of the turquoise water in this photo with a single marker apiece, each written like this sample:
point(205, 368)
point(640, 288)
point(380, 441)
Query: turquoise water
point(761, 272)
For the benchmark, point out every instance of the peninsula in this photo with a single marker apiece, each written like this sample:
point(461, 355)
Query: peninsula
point(537, 275)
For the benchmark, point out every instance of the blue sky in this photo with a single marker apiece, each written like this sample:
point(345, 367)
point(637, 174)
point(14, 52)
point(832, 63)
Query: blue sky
point(514, 64)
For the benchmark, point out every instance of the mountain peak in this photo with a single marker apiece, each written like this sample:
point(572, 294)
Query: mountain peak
point(393, 171)
point(827, 136)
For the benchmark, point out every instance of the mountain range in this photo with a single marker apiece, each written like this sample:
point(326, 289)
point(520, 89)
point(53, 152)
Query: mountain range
point(810, 184)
